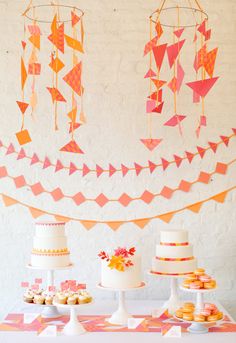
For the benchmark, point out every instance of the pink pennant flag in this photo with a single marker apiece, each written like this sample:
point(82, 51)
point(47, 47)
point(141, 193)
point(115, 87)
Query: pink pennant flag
point(225, 140)
point(38, 281)
point(173, 51)
point(207, 35)
point(24, 284)
point(159, 53)
point(201, 151)
point(152, 166)
point(124, 169)
point(52, 289)
point(71, 282)
point(64, 286)
point(99, 170)
point(151, 143)
point(178, 160)
point(179, 32)
point(46, 163)
point(10, 149)
point(180, 76)
point(173, 84)
point(21, 154)
point(175, 120)
point(213, 146)
point(112, 170)
point(138, 168)
point(150, 105)
point(202, 87)
point(150, 45)
point(202, 27)
point(34, 159)
point(81, 286)
point(59, 166)
point(158, 109)
point(72, 168)
point(150, 73)
point(165, 163)
point(156, 95)
point(35, 287)
point(86, 170)
point(189, 156)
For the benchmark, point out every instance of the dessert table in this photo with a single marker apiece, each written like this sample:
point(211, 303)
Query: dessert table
point(107, 307)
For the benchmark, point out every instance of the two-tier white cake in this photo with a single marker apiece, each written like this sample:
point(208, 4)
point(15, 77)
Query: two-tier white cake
point(174, 254)
point(50, 246)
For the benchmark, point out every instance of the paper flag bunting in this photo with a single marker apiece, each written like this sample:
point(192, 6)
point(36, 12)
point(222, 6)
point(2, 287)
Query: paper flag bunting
point(72, 169)
point(21, 154)
point(213, 146)
point(175, 120)
point(178, 160)
point(74, 126)
point(220, 197)
point(10, 149)
point(86, 170)
point(46, 163)
point(158, 109)
point(23, 74)
point(180, 76)
point(74, 44)
point(35, 40)
point(202, 87)
point(73, 147)
point(8, 201)
point(152, 166)
point(56, 95)
point(165, 163)
point(57, 36)
point(159, 53)
point(159, 29)
point(201, 151)
point(150, 45)
point(74, 19)
point(209, 62)
point(23, 137)
point(56, 64)
point(225, 140)
point(112, 170)
point(179, 32)
point(150, 73)
point(73, 79)
point(22, 106)
point(34, 159)
point(138, 168)
point(173, 51)
point(59, 166)
point(189, 156)
point(124, 169)
point(158, 83)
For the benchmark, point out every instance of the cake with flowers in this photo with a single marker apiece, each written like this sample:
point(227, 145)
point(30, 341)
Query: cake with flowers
point(121, 269)
point(174, 254)
point(50, 246)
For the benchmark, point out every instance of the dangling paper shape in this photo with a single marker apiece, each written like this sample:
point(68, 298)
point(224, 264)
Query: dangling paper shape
point(33, 57)
point(112, 170)
point(173, 84)
point(156, 95)
point(150, 45)
point(220, 197)
point(35, 212)
point(74, 44)
point(152, 166)
point(56, 95)
point(74, 126)
point(195, 207)
point(201, 124)
point(10, 149)
point(207, 35)
point(150, 105)
point(99, 170)
point(213, 146)
point(34, 69)
point(23, 43)
point(23, 137)
point(23, 74)
point(202, 27)
point(124, 169)
point(189, 156)
point(35, 40)
point(178, 160)
point(175, 120)
point(151, 143)
point(159, 53)
point(158, 109)
point(159, 29)
point(82, 118)
point(22, 106)
point(150, 73)
point(72, 115)
point(225, 140)
point(158, 83)
point(138, 168)
point(34, 30)
point(74, 19)
point(201, 151)
point(21, 154)
point(34, 159)
point(179, 32)
point(72, 168)
point(196, 97)
point(8, 201)
point(209, 63)
point(202, 87)
point(86, 170)
point(73, 147)
point(33, 100)
point(173, 51)
point(73, 78)
point(180, 76)
point(54, 24)
point(200, 58)
point(59, 166)
point(56, 64)
point(165, 163)
point(57, 37)
point(47, 163)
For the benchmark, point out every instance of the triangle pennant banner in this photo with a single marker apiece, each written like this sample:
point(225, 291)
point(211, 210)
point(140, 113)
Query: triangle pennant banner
point(220, 197)
point(213, 146)
point(141, 223)
point(166, 217)
point(151, 143)
point(34, 159)
point(36, 213)
point(72, 169)
point(195, 207)
point(73, 147)
point(10, 149)
point(61, 218)
point(112, 170)
point(114, 225)
point(88, 224)
point(152, 166)
point(59, 166)
point(8, 201)
point(21, 154)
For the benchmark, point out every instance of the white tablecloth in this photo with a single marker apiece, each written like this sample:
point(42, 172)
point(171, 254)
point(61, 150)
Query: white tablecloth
point(107, 307)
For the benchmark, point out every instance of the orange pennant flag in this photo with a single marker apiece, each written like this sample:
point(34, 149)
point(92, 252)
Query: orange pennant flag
point(23, 74)
point(35, 212)
point(88, 224)
point(195, 207)
point(8, 201)
point(72, 146)
point(209, 62)
point(74, 44)
point(220, 197)
point(73, 79)
point(61, 218)
point(54, 24)
point(57, 37)
point(56, 64)
point(22, 106)
point(141, 223)
point(114, 225)
point(74, 19)
point(56, 95)
point(72, 115)
point(35, 40)
point(166, 217)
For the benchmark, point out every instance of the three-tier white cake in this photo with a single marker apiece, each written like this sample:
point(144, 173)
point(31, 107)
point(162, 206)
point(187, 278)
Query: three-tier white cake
point(50, 246)
point(174, 254)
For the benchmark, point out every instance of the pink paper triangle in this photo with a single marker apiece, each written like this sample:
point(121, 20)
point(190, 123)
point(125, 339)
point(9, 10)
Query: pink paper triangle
point(21, 154)
point(158, 109)
point(138, 168)
point(124, 169)
point(179, 32)
point(34, 159)
point(151, 143)
point(46, 163)
point(189, 156)
point(72, 169)
point(152, 166)
point(86, 170)
point(150, 45)
point(10, 149)
point(196, 97)
point(175, 120)
point(150, 105)
point(59, 166)
point(225, 140)
point(150, 73)
point(201, 151)
point(202, 27)
point(156, 95)
point(159, 53)
point(112, 170)
point(213, 146)
point(99, 170)
point(180, 76)
point(178, 160)
point(202, 87)
point(173, 51)
point(165, 163)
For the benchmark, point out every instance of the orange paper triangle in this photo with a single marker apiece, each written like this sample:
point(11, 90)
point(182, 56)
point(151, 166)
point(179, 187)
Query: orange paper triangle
point(114, 225)
point(141, 223)
point(166, 217)
point(35, 212)
point(56, 95)
point(72, 115)
point(8, 201)
point(195, 207)
point(74, 44)
point(61, 218)
point(22, 106)
point(57, 37)
point(35, 40)
point(73, 79)
point(220, 197)
point(74, 19)
point(88, 224)
point(73, 147)
point(23, 74)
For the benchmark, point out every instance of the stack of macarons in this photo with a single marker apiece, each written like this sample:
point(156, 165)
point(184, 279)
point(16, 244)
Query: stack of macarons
point(209, 313)
point(199, 280)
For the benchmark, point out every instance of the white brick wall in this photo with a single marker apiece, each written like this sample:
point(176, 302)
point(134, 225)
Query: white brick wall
point(116, 32)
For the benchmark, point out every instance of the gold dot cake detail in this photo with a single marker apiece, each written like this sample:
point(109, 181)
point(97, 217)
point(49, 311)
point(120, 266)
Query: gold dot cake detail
point(174, 254)
point(199, 280)
point(121, 269)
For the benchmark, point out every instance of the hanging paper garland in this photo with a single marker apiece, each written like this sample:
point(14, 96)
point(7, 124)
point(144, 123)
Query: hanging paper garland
point(157, 50)
point(73, 78)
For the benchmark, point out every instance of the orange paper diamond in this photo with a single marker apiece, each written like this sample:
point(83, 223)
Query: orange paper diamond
point(23, 137)
point(56, 64)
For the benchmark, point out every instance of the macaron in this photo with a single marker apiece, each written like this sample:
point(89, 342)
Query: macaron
point(220, 315)
point(212, 318)
point(179, 313)
point(209, 285)
point(199, 318)
point(195, 285)
point(191, 277)
point(205, 313)
point(188, 309)
point(189, 305)
point(199, 271)
point(188, 316)
point(186, 283)
point(205, 278)
point(209, 306)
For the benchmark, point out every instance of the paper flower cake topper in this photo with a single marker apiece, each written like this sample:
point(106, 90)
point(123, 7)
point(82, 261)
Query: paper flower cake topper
point(120, 259)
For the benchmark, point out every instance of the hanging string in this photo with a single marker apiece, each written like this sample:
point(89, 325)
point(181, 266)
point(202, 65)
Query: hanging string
point(150, 86)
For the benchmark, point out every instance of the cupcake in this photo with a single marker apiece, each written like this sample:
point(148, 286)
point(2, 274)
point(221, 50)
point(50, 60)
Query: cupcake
point(61, 298)
point(72, 300)
point(39, 299)
point(28, 297)
point(48, 299)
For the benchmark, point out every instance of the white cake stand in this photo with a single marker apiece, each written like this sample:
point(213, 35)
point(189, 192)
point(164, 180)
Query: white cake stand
point(73, 327)
point(174, 302)
point(197, 327)
point(50, 311)
point(120, 317)
point(199, 295)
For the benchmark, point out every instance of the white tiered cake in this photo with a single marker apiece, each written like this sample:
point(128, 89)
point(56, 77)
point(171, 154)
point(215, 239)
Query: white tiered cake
point(121, 270)
point(50, 246)
point(174, 254)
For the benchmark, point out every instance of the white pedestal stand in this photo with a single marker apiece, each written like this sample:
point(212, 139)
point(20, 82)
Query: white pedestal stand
point(197, 327)
point(73, 327)
point(50, 311)
point(174, 302)
point(199, 296)
point(121, 315)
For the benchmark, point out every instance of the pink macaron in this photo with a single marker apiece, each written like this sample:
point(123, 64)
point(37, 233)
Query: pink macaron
point(205, 278)
point(206, 313)
point(210, 307)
